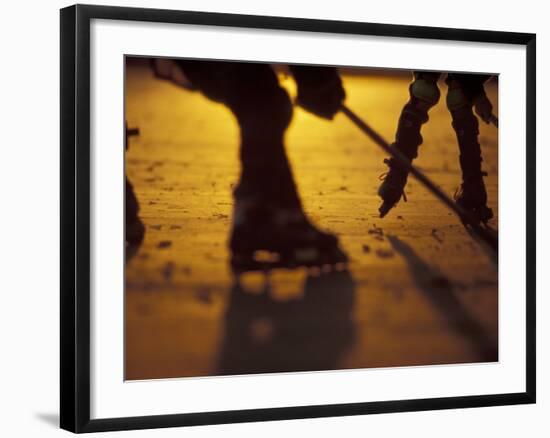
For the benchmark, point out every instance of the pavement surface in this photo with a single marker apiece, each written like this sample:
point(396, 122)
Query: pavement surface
point(419, 289)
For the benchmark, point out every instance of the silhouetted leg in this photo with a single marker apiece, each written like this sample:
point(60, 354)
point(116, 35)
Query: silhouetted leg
point(472, 194)
point(263, 111)
point(424, 94)
point(268, 213)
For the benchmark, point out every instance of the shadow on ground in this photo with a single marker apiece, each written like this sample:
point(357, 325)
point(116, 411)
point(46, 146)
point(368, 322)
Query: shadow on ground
point(442, 295)
point(308, 333)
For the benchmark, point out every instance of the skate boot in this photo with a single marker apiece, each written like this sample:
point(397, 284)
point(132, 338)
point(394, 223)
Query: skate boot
point(135, 230)
point(472, 197)
point(393, 186)
point(265, 237)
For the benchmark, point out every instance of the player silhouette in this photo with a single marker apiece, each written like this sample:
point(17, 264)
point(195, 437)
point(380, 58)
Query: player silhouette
point(268, 216)
point(465, 93)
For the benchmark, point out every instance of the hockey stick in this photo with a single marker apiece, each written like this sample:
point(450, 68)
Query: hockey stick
point(465, 216)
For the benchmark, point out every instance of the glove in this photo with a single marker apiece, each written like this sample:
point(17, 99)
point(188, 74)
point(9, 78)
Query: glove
point(483, 107)
point(169, 70)
point(320, 90)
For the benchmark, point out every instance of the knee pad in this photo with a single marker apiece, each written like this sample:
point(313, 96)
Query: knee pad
point(457, 99)
point(425, 92)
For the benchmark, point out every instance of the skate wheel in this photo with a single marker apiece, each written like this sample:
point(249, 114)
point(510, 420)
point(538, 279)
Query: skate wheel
point(314, 271)
point(306, 255)
point(341, 266)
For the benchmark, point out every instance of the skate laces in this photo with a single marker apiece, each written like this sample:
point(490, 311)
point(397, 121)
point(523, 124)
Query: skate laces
point(383, 175)
point(458, 192)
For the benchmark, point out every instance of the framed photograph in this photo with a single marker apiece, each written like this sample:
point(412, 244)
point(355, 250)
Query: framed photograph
point(269, 218)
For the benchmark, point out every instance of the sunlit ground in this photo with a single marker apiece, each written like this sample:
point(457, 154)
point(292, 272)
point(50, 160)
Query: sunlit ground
point(419, 289)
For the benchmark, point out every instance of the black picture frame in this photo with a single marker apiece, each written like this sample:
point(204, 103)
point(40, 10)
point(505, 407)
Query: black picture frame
point(75, 217)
